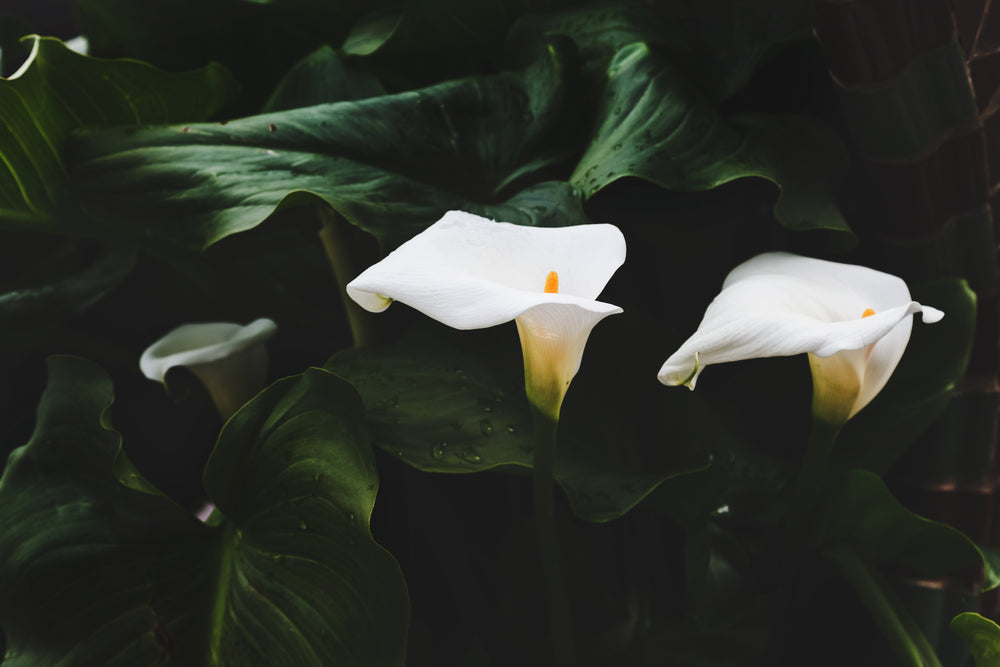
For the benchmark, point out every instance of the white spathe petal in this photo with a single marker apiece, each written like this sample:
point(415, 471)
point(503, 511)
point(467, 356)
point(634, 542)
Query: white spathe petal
point(229, 359)
point(882, 359)
point(192, 344)
point(553, 337)
point(469, 272)
point(778, 304)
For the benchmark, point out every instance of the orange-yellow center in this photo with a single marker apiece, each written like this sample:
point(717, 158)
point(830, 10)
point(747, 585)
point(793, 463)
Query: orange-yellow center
point(552, 283)
point(868, 313)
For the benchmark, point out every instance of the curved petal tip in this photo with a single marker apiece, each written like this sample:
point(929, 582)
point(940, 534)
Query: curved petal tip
point(930, 315)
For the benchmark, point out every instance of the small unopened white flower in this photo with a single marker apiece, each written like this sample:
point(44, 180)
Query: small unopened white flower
point(469, 272)
point(229, 359)
point(854, 322)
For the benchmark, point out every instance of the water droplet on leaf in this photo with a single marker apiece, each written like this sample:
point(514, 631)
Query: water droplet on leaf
point(470, 456)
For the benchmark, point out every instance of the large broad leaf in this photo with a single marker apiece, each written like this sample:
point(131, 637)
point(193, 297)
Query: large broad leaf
point(859, 511)
point(258, 42)
point(391, 164)
point(98, 568)
point(57, 91)
point(982, 635)
point(717, 45)
point(655, 125)
point(454, 402)
point(53, 282)
point(319, 78)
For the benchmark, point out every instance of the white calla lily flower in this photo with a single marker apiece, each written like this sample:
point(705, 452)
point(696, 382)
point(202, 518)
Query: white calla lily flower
point(854, 322)
point(229, 359)
point(469, 272)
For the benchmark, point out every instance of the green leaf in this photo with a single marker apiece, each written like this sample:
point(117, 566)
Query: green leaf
point(391, 165)
point(415, 43)
point(982, 635)
point(257, 41)
point(57, 91)
point(654, 125)
point(859, 510)
point(97, 569)
point(717, 45)
point(57, 281)
point(320, 78)
point(371, 33)
point(922, 385)
point(453, 402)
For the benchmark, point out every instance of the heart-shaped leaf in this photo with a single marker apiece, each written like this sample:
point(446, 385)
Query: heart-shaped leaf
point(98, 568)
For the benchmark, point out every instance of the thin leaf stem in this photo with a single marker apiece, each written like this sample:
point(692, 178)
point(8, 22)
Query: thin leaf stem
point(343, 271)
point(905, 638)
point(556, 595)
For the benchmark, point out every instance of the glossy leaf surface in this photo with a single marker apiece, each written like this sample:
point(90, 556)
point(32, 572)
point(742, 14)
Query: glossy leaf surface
point(98, 568)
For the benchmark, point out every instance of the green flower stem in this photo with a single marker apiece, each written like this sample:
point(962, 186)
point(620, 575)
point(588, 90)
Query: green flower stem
point(807, 486)
point(556, 595)
point(904, 636)
point(343, 271)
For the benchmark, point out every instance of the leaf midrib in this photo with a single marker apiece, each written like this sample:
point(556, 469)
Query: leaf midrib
point(229, 539)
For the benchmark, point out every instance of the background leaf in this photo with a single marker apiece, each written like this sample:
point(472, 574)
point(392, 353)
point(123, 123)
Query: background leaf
point(319, 78)
point(982, 635)
point(51, 282)
point(655, 125)
point(58, 90)
point(436, 404)
point(716, 45)
point(390, 165)
point(258, 42)
point(121, 577)
point(858, 510)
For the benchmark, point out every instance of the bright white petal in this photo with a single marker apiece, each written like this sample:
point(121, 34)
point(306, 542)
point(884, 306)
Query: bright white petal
point(470, 272)
point(80, 44)
point(779, 304)
point(193, 344)
point(883, 358)
point(553, 337)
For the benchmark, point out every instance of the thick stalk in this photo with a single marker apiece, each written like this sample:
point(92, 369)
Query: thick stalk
point(556, 595)
point(343, 271)
point(905, 638)
point(807, 486)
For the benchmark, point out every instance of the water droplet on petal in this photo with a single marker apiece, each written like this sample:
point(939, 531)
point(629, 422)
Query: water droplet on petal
point(486, 427)
point(439, 450)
